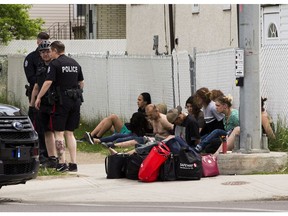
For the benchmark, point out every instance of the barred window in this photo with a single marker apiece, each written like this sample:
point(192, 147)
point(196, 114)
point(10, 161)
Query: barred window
point(272, 31)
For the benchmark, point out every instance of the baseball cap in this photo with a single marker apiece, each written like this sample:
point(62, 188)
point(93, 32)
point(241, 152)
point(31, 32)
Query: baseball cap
point(172, 114)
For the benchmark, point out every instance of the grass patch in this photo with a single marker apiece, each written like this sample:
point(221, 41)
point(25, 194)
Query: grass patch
point(281, 133)
point(49, 172)
point(84, 146)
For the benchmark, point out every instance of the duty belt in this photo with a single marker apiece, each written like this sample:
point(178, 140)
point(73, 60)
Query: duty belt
point(74, 93)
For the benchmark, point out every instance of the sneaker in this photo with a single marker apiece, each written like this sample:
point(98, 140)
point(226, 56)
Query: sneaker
point(72, 167)
point(62, 167)
point(51, 162)
point(108, 144)
point(89, 138)
point(104, 144)
point(42, 159)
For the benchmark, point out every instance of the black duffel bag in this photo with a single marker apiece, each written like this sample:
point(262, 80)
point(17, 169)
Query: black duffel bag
point(115, 165)
point(133, 165)
point(188, 165)
point(168, 169)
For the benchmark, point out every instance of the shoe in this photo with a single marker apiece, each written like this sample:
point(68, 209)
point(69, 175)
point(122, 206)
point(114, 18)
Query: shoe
point(62, 167)
point(42, 159)
point(89, 138)
point(81, 140)
point(51, 162)
point(72, 167)
point(108, 145)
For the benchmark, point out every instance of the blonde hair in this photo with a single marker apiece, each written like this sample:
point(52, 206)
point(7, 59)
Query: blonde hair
point(225, 100)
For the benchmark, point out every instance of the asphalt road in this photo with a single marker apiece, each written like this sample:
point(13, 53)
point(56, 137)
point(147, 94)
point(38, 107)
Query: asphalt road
point(14, 205)
point(90, 191)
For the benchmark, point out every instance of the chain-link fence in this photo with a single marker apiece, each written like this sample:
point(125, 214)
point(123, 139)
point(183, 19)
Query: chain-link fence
point(216, 70)
point(273, 77)
point(3, 75)
point(113, 82)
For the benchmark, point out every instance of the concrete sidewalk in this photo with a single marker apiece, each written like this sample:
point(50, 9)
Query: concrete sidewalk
point(90, 185)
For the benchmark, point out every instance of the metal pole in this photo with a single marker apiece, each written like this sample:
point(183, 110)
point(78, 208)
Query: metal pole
point(70, 25)
point(171, 26)
point(250, 102)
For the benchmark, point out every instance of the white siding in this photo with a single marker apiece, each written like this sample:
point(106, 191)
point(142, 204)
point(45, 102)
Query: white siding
point(284, 22)
point(50, 13)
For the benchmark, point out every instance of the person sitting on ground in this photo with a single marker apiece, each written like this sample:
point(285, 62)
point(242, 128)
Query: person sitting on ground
point(266, 121)
point(215, 93)
point(212, 118)
point(185, 126)
point(142, 101)
point(138, 125)
point(194, 110)
point(142, 149)
point(115, 124)
point(161, 129)
point(230, 121)
point(266, 129)
point(162, 107)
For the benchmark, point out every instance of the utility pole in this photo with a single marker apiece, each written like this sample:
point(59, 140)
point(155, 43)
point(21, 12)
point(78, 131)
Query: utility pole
point(250, 98)
point(171, 26)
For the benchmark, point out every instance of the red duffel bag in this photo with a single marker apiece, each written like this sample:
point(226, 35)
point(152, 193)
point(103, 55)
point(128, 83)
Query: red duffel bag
point(149, 169)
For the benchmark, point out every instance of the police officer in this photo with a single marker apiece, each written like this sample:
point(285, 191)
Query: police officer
point(31, 64)
point(46, 104)
point(66, 75)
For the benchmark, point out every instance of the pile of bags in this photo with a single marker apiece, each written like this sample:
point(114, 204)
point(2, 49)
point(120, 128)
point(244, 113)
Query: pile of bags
point(173, 160)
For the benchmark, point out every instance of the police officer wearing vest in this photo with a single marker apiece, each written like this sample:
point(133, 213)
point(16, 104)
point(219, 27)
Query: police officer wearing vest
point(31, 63)
point(46, 104)
point(67, 77)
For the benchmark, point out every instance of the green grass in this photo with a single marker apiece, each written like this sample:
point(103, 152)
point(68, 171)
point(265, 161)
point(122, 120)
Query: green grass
point(50, 172)
point(85, 146)
point(281, 133)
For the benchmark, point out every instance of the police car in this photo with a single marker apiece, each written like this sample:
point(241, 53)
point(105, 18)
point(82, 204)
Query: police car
point(19, 148)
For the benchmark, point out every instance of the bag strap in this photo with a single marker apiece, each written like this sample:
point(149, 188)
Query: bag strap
point(163, 149)
point(106, 164)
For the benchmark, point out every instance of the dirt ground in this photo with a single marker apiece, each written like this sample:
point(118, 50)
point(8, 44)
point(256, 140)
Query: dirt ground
point(87, 158)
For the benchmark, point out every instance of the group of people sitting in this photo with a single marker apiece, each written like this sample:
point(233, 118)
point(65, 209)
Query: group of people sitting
point(209, 118)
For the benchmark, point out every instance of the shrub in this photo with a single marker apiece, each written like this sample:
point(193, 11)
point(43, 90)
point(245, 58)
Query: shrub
point(281, 133)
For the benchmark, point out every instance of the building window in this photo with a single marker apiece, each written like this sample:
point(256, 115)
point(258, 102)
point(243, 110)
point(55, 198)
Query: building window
point(79, 10)
point(272, 31)
point(195, 8)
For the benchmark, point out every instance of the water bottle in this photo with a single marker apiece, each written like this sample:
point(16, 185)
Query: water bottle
point(224, 144)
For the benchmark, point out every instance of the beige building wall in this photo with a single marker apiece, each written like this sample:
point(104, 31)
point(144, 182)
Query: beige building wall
point(55, 16)
point(143, 22)
point(213, 27)
point(111, 21)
